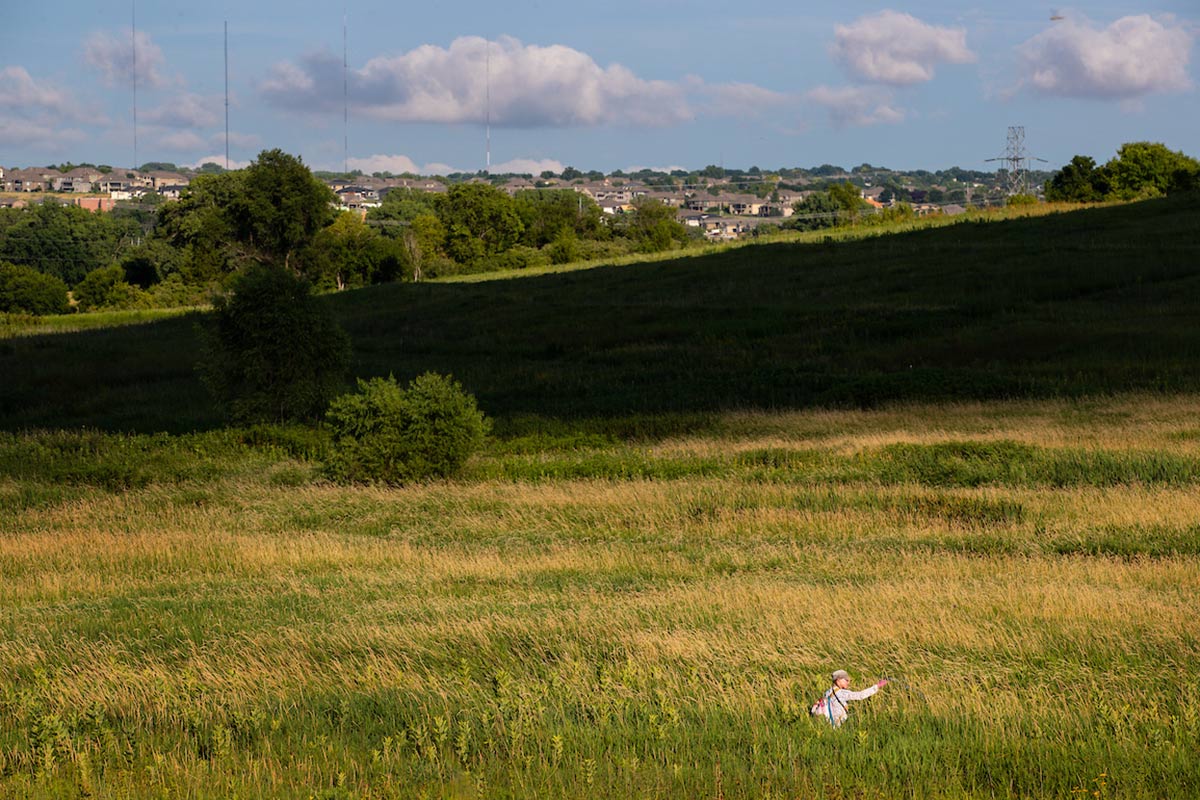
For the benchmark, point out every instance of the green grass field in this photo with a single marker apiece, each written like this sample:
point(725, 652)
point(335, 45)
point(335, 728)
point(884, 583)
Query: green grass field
point(967, 459)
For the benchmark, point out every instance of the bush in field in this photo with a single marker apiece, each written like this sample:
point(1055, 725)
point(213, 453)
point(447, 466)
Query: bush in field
point(273, 352)
point(24, 290)
point(387, 434)
point(106, 288)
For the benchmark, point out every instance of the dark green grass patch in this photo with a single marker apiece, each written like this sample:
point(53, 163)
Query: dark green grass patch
point(119, 462)
point(1151, 541)
point(1096, 301)
point(975, 463)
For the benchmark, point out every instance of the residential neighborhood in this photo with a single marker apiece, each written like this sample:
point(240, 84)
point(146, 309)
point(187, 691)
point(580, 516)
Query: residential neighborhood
point(719, 206)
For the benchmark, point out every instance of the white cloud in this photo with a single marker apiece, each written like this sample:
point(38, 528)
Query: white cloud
point(898, 49)
point(36, 112)
point(530, 86)
point(186, 110)
point(669, 169)
point(532, 166)
point(384, 163)
point(1133, 57)
point(218, 159)
point(20, 93)
point(183, 140)
point(397, 164)
point(113, 56)
point(17, 132)
point(740, 99)
point(856, 106)
point(241, 140)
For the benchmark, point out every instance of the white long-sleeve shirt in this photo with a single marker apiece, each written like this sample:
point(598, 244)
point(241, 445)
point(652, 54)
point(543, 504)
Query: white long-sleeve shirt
point(832, 707)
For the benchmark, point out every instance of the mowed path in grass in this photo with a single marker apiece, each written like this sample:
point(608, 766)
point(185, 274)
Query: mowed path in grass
point(600, 614)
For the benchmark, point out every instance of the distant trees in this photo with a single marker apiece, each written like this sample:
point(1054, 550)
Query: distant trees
point(1148, 169)
point(106, 288)
point(481, 221)
point(64, 241)
point(24, 290)
point(653, 227)
point(818, 210)
point(546, 213)
point(281, 206)
point(1139, 170)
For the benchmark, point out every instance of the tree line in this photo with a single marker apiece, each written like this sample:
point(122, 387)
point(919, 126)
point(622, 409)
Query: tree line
point(276, 211)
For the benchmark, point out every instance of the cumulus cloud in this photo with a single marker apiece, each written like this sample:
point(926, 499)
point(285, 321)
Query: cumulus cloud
point(36, 112)
point(217, 159)
point(898, 49)
point(532, 166)
point(21, 94)
point(15, 131)
point(185, 111)
point(738, 99)
point(183, 140)
point(1133, 57)
point(856, 106)
point(395, 164)
point(240, 140)
point(530, 86)
point(113, 56)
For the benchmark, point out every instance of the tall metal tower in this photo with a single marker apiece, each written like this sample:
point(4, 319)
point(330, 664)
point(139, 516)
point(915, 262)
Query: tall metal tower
point(226, 95)
point(133, 46)
point(1017, 161)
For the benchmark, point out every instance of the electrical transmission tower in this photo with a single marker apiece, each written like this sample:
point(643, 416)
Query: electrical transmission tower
point(1017, 161)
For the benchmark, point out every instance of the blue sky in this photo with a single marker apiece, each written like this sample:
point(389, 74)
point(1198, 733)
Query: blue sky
point(616, 85)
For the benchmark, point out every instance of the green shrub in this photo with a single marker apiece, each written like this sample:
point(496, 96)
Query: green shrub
point(25, 290)
point(386, 434)
point(273, 353)
point(106, 288)
point(516, 257)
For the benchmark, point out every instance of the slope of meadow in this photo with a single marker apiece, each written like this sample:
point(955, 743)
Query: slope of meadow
point(641, 585)
point(1099, 300)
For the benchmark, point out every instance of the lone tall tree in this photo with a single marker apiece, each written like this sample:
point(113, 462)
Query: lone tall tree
point(282, 206)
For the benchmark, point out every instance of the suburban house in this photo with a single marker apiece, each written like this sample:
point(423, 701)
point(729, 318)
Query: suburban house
point(28, 180)
point(172, 191)
point(78, 180)
point(115, 182)
point(160, 178)
point(357, 197)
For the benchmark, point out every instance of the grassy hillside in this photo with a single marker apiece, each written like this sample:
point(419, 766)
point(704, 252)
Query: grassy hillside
point(1100, 300)
point(641, 584)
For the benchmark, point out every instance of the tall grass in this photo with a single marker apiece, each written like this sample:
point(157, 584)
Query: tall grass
point(609, 613)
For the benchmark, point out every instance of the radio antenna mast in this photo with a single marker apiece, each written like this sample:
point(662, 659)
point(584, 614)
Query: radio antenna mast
point(133, 41)
point(345, 100)
point(226, 95)
point(487, 113)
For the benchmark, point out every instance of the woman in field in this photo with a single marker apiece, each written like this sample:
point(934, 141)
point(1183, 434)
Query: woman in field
point(832, 707)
